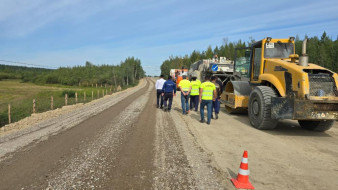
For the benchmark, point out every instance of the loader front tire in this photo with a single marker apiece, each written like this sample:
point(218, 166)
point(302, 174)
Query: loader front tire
point(259, 108)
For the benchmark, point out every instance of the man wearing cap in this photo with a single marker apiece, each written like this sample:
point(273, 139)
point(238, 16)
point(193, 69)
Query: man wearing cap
point(168, 91)
point(195, 92)
point(185, 87)
point(158, 87)
point(207, 95)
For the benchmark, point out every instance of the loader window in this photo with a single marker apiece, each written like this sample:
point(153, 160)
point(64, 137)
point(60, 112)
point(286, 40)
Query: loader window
point(257, 62)
point(243, 64)
point(278, 50)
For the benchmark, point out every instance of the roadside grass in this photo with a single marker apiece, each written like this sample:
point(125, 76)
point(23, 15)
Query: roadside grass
point(20, 96)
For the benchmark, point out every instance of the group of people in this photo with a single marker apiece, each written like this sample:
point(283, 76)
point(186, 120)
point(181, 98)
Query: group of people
point(207, 94)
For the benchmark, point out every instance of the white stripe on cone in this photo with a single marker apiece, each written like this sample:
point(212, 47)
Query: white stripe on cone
point(245, 160)
point(243, 172)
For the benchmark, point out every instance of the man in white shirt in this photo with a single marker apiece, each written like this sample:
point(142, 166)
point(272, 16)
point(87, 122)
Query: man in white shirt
point(158, 86)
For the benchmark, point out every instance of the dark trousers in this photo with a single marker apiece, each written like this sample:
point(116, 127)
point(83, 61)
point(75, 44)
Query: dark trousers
point(168, 96)
point(216, 105)
point(194, 100)
point(185, 103)
point(158, 95)
point(207, 103)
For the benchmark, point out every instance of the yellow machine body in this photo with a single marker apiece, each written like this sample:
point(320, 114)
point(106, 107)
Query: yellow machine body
point(294, 84)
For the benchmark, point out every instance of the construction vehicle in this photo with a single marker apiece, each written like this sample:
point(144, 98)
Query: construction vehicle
point(211, 67)
point(280, 84)
point(177, 75)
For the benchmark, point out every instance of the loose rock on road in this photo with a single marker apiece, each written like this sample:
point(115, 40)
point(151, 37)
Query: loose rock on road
point(123, 142)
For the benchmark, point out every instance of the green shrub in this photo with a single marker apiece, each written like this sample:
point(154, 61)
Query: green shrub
point(71, 93)
point(3, 119)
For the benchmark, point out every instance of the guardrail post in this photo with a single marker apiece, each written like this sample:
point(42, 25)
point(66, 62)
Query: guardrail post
point(34, 106)
point(51, 103)
point(92, 95)
point(66, 99)
point(84, 96)
point(75, 97)
point(9, 114)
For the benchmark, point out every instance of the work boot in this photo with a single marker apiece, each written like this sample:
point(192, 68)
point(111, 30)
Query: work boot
point(216, 115)
point(208, 122)
point(212, 116)
point(202, 121)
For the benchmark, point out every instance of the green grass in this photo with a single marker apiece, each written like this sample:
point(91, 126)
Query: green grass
point(21, 95)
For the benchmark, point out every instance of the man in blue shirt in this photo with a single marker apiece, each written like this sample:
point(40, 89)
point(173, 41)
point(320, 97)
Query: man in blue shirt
point(168, 91)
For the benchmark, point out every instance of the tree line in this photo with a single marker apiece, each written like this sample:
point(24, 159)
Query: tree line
point(128, 72)
point(321, 50)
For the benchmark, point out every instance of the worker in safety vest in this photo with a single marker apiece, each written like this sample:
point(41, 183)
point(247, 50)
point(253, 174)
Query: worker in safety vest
point(195, 93)
point(185, 87)
point(207, 95)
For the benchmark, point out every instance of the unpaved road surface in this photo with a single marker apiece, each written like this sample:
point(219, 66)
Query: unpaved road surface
point(127, 145)
point(124, 142)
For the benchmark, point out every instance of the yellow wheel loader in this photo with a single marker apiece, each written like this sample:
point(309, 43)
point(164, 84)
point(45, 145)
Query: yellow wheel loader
point(280, 84)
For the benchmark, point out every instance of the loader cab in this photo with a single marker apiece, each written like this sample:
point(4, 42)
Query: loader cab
point(242, 62)
point(250, 61)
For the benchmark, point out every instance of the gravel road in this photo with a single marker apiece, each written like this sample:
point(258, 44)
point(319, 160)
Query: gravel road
point(123, 141)
point(120, 142)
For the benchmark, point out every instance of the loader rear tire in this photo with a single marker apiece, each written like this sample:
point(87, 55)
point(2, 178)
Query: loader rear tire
point(316, 125)
point(259, 108)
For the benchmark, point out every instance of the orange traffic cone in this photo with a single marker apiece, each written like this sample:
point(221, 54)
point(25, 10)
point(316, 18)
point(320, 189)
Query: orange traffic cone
point(242, 181)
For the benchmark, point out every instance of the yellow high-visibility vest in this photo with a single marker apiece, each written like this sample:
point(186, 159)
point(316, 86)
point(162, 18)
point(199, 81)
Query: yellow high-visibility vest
point(184, 85)
point(208, 90)
point(195, 88)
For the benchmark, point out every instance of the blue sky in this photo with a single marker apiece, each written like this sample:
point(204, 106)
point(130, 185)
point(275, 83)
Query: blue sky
point(70, 32)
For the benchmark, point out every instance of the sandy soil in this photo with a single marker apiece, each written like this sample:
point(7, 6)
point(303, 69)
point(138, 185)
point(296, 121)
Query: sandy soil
point(285, 158)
